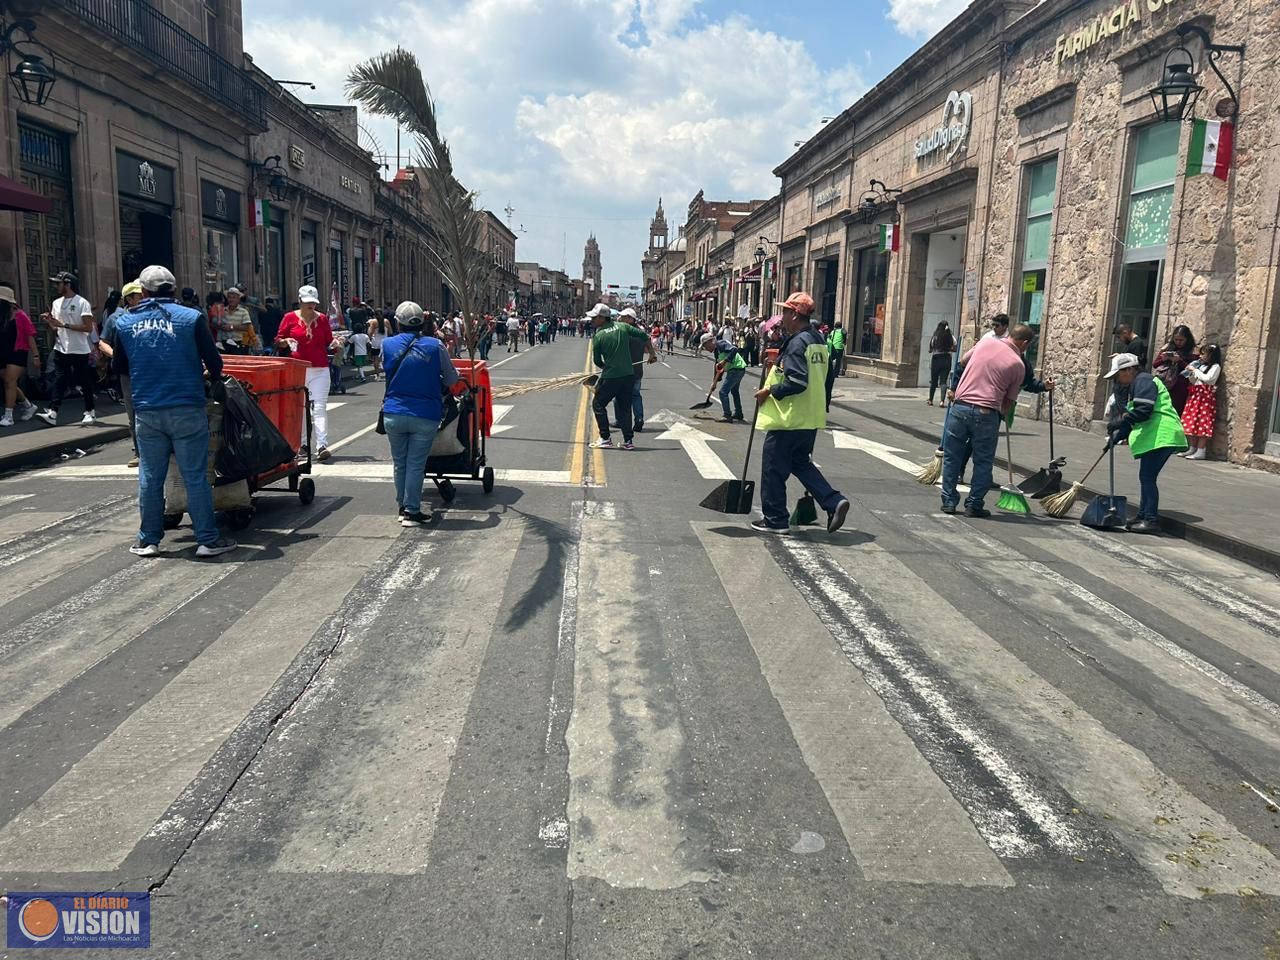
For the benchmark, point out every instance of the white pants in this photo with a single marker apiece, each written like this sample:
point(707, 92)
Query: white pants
point(318, 386)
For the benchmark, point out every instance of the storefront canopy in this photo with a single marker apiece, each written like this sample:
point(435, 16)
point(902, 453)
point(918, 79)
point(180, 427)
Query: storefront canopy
point(16, 196)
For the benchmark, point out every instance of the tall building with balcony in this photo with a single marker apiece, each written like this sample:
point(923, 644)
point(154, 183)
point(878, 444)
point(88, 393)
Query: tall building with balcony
point(141, 146)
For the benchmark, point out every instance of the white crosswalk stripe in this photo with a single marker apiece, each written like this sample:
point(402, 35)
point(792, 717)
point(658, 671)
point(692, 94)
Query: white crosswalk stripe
point(943, 757)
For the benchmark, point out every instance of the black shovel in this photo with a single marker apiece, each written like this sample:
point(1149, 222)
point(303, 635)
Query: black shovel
point(736, 496)
point(1048, 480)
point(705, 403)
point(1110, 512)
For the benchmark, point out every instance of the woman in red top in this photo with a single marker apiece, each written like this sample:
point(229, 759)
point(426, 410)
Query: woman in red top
point(305, 334)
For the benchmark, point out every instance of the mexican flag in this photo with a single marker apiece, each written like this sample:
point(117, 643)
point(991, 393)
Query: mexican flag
point(260, 213)
point(1210, 150)
point(889, 237)
point(377, 253)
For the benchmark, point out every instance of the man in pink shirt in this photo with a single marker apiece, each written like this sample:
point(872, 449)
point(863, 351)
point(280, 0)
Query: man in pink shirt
point(988, 390)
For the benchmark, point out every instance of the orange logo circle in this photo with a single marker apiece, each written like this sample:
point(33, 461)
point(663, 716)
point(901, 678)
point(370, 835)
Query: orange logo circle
point(38, 920)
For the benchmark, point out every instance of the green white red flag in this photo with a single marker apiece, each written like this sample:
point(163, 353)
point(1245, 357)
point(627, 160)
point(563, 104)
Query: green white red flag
point(259, 213)
point(889, 238)
point(1210, 150)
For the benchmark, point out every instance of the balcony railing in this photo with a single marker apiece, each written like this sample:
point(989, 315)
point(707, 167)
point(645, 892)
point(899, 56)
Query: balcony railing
point(144, 29)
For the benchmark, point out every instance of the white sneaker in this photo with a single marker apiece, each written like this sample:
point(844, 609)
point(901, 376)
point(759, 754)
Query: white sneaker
point(220, 546)
point(28, 411)
point(1200, 454)
point(49, 416)
point(88, 419)
point(6, 420)
point(140, 549)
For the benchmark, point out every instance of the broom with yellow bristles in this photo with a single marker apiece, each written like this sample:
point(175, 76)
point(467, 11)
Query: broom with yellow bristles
point(931, 472)
point(1059, 505)
point(507, 390)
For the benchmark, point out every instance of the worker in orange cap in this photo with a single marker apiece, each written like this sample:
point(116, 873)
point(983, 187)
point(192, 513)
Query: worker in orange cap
point(793, 408)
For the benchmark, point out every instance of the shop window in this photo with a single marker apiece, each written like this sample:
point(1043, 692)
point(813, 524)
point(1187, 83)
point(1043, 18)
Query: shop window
point(1151, 181)
point(1037, 237)
point(275, 263)
point(219, 258)
point(870, 302)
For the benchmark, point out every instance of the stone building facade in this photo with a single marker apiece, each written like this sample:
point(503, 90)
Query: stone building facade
point(142, 145)
point(498, 244)
point(753, 280)
point(1130, 236)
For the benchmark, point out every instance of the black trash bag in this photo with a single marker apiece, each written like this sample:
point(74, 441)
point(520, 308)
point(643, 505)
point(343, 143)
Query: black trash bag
point(251, 444)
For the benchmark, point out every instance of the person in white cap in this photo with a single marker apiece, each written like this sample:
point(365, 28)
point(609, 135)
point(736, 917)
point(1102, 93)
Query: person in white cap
point(1153, 429)
point(71, 317)
point(168, 348)
point(305, 334)
point(611, 351)
point(638, 347)
point(419, 372)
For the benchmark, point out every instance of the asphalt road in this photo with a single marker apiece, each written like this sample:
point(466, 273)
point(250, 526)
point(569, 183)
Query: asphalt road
point(583, 717)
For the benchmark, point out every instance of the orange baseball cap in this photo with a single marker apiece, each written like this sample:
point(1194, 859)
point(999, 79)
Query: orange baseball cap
point(801, 303)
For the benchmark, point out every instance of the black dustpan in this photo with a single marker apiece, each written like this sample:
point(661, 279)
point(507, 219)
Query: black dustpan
point(1048, 480)
point(1110, 512)
point(735, 496)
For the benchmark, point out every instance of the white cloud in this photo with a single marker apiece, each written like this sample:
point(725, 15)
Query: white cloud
point(580, 112)
point(924, 18)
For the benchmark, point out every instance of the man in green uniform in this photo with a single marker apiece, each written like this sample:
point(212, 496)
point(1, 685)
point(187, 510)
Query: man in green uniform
point(1153, 429)
point(791, 413)
point(835, 347)
point(731, 366)
point(611, 351)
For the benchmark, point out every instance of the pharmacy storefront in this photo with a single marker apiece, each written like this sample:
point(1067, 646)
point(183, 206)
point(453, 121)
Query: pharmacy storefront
point(1118, 201)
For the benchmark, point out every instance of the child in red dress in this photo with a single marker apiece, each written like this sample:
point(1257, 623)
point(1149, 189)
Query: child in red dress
point(1202, 400)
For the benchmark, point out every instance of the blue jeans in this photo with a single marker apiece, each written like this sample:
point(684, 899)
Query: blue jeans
point(1149, 466)
point(184, 432)
point(970, 431)
point(732, 379)
point(637, 404)
point(410, 438)
point(788, 453)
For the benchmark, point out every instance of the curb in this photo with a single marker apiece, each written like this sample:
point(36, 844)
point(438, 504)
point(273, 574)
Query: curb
point(52, 451)
point(1250, 553)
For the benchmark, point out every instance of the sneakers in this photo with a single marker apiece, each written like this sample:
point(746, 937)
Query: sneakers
point(628, 445)
point(323, 454)
point(740, 418)
point(7, 419)
point(639, 426)
point(603, 444)
point(27, 411)
point(835, 519)
point(976, 513)
point(140, 549)
point(49, 416)
point(763, 526)
point(417, 519)
point(1143, 526)
point(724, 420)
point(949, 508)
point(217, 548)
point(89, 419)
point(133, 462)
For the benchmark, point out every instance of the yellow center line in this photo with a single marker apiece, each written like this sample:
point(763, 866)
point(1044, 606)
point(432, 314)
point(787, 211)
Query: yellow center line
point(583, 433)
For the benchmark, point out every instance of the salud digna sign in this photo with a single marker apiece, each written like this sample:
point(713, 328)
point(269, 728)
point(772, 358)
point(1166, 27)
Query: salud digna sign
point(957, 115)
point(1104, 26)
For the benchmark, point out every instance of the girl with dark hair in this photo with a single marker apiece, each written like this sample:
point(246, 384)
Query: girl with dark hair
point(1202, 401)
point(1172, 360)
point(941, 346)
point(17, 346)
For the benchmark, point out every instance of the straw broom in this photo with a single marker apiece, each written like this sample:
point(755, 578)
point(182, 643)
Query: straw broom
point(931, 472)
point(551, 383)
point(1059, 505)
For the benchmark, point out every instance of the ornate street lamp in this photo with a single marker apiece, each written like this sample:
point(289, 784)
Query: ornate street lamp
point(273, 177)
point(1174, 97)
point(32, 78)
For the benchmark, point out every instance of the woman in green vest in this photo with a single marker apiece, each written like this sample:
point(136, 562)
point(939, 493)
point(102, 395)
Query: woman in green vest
point(731, 366)
point(1154, 430)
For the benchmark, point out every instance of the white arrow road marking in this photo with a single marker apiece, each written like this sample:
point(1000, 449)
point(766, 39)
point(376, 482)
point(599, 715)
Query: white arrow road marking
point(500, 410)
point(334, 404)
point(882, 452)
point(695, 444)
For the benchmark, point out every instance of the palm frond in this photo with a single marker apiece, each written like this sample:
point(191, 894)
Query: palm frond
point(391, 84)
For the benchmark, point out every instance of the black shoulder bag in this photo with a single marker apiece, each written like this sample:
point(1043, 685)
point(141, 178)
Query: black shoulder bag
point(381, 427)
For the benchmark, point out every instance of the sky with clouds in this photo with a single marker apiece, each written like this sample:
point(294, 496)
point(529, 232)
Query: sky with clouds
point(580, 113)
